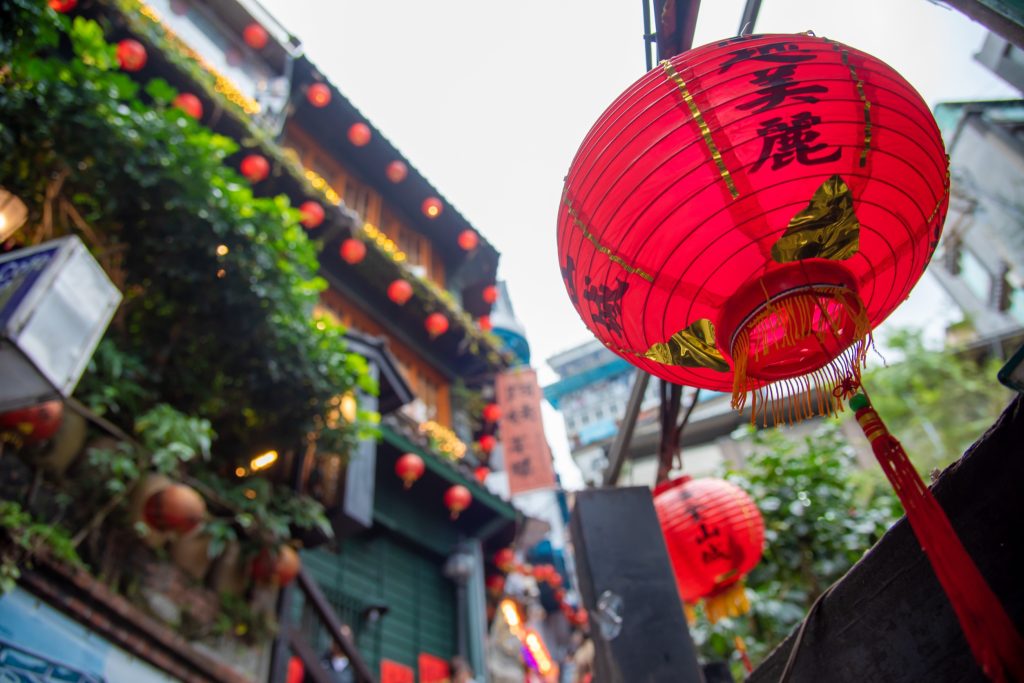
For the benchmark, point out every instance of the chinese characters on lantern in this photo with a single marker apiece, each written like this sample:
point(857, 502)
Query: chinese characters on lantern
point(527, 458)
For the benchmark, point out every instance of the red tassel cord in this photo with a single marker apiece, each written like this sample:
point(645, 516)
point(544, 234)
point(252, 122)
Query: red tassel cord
point(990, 633)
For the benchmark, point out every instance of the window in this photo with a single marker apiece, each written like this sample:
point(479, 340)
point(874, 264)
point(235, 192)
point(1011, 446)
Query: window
point(975, 275)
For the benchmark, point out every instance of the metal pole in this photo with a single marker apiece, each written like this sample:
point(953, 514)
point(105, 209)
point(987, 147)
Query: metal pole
point(749, 18)
point(617, 454)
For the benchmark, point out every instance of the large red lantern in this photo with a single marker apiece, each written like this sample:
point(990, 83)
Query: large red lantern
point(190, 104)
point(400, 291)
point(174, 508)
point(715, 535)
point(319, 95)
point(492, 412)
point(396, 171)
point(744, 214)
point(487, 443)
point(131, 55)
point(255, 36)
point(352, 251)
point(312, 214)
point(255, 168)
point(359, 134)
point(409, 468)
point(33, 424)
point(436, 324)
point(457, 499)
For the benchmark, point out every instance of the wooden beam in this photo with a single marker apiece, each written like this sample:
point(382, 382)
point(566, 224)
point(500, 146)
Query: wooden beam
point(340, 633)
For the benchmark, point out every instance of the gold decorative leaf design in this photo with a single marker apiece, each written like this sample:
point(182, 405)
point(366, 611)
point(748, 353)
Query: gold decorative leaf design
point(827, 228)
point(692, 347)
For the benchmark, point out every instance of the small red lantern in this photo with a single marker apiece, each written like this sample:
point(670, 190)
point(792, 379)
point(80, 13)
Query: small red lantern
point(490, 294)
point(174, 508)
point(555, 580)
point(484, 322)
point(63, 6)
point(282, 567)
point(481, 473)
point(492, 413)
point(745, 214)
point(409, 468)
point(359, 134)
point(312, 214)
point(436, 325)
point(541, 572)
point(715, 535)
point(255, 36)
point(319, 95)
point(457, 499)
point(495, 585)
point(33, 424)
point(352, 251)
point(131, 55)
point(487, 443)
point(468, 240)
point(432, 207)
point(505, 559)
point(400, 291)
point(396, 171)
point(255, 168)
point(190, 104)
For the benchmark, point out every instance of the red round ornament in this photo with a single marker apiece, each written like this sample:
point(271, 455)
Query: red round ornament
point(490, 294)
point(495, 584)
point(255, 168)
point(396, 171)
point(190, 104)
point(744, 215)
point(714, 534)
point(432, 207)
point(487, 443)
point(484, 322)
point(312, 214)
point(481, 473)
point(359, 134)
point(131, 55)
point(282, 566)
point(436, 324)
point(505, 559)
point(409, 468)
point(34, 423)
point(352, 251)
point(400, 291)
point(63, 6)
point(174, 508)
point(319, 95)
point(468, 240)
point(457, 498)
point(255, 36)
point(492, 412)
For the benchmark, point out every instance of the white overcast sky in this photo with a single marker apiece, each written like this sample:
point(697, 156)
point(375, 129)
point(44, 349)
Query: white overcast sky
point(490, 99)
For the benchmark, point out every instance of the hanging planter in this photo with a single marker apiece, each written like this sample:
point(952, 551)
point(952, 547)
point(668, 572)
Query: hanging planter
point(457, 499)
point(714, 534)
point(409, 468)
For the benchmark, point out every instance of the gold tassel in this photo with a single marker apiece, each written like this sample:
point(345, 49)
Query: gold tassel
point(729, 602)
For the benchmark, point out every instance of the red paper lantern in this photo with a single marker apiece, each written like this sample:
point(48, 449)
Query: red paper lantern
point(63, 6)
point(400, 291)
point(33, 424)
point(505, 559)
point(190, 104)
point(487, 443)
point(492, 412)
point(255, 36)
point(312, 214)
point(490, 294)
point(359, 134)
point(352, 251)
point(319, 95)
point(457, 498)
point(743, 216)
point(468, 240)
point(409, 468)
point(174, 508)
point(282, 567)
point(484, 322)
point(481, 473)
point(396, 171)
point(436, 325)
point(495, 584)
point(432, 207)
point(255, 168)
point(131, 55)
point(715, 535)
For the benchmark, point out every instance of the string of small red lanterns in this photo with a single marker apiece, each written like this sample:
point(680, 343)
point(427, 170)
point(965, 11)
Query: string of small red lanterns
point(505, 561)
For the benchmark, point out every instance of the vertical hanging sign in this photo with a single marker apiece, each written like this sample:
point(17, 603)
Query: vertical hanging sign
point(527, 458)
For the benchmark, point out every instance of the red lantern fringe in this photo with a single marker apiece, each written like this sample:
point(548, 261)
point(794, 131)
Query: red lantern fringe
point(992, 636)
